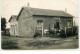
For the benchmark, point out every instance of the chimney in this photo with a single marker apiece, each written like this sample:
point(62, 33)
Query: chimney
point(28, 5)
point(65, 10)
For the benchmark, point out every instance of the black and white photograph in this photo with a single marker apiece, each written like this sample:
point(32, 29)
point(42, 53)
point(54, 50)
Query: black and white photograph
point(39, 24)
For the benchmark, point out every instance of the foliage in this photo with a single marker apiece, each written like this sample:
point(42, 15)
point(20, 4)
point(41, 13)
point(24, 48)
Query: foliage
point(3, 24)
point(62, 34)
point(9, 45)
point(36, 34)
point(69, 32)
point(74, 30)
point(51, 32)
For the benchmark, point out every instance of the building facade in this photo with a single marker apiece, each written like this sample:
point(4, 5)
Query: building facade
point(34, 20)
point(13, 25)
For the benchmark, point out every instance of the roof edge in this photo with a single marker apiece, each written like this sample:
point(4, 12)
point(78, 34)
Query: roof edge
point(11, 17)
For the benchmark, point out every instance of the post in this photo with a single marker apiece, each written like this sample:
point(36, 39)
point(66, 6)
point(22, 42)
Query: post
point(42, 30)
point(65, 27)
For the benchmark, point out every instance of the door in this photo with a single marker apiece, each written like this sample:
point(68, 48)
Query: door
point(40, 27)
point(56, 25)
point(69, 24)
point(14, 29)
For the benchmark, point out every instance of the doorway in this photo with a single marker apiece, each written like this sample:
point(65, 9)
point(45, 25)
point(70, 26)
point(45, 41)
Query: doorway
point(40, 27)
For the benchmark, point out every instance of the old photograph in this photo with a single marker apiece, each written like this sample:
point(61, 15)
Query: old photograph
point(39, 24)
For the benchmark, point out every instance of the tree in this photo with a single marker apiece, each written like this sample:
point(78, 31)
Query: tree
point(3, 24)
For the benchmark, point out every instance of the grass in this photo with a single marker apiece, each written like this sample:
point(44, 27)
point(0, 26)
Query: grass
point(9, 45)
point(38, 43)
point(43, 44)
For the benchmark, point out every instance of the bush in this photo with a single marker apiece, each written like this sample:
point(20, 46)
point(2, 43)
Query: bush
point(69, 32)
point(62, 34)
point(3, 33)
point(36, 35)
point(51, 32)
point(74, 30)
point(9, 45)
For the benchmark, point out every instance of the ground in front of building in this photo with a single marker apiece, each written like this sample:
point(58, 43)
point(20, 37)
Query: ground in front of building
point(39, 43)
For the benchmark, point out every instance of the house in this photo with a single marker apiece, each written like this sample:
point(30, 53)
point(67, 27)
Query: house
point(35, 20)
point(13, 25)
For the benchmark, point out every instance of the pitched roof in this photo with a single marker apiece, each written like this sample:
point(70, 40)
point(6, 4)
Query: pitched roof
point(13, 16)
point(47, 12)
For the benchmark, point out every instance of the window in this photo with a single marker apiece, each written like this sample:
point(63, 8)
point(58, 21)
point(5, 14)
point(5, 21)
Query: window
point(69, 23)
point(39, 24)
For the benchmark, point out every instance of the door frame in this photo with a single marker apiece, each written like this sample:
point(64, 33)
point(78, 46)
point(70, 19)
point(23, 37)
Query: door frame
point(41, 27)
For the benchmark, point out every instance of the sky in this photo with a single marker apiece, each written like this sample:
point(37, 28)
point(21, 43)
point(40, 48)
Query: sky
point(13, 7)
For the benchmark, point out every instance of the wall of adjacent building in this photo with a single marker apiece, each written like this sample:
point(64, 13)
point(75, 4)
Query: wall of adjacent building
point(75, 21)
point(13, 27)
